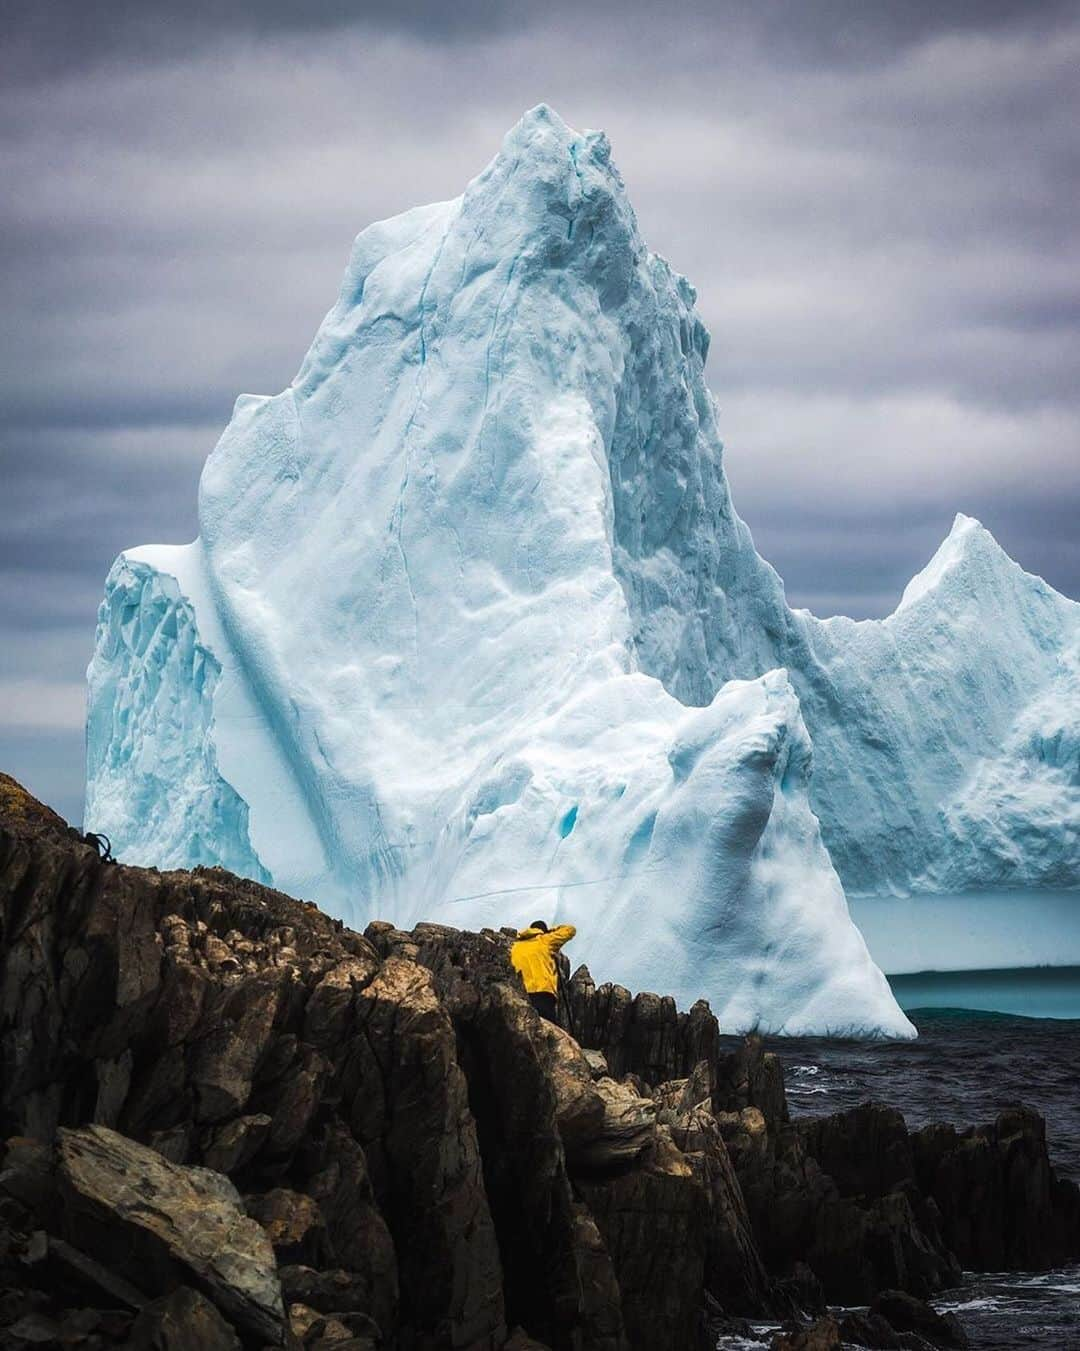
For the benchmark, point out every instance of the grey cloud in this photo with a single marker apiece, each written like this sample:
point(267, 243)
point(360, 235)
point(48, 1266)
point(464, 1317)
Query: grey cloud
point(875, 202)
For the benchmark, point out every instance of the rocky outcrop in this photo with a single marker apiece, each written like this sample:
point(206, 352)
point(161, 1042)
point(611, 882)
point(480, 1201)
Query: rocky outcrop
point(230, 1119)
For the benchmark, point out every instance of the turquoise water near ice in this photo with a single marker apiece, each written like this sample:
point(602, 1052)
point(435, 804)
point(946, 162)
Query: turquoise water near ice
point(1027, 992)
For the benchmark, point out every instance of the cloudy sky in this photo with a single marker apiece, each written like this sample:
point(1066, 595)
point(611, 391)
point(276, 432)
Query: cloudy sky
point(876, 200)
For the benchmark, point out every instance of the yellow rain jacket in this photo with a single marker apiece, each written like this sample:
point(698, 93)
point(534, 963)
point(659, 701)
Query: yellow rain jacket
point(534, 956)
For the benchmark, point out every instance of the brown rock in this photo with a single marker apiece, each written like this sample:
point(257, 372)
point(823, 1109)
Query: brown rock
point(581, 1107)
point(426, 1140)
point(293, 1223)
point(236, 1143)
point(823, 1335)
point(625, 1130)
point(134, 1209)
point(652, 1220)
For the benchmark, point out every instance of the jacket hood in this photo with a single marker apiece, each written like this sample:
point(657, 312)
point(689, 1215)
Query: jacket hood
point(530, 933)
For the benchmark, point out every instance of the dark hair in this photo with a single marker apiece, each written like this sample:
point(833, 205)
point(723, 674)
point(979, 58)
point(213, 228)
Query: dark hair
point(539, 924)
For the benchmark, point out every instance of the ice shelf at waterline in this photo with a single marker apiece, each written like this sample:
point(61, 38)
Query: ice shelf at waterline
point(473, 633)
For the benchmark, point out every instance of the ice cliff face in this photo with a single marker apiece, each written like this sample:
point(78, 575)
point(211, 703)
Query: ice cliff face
point(471, 592)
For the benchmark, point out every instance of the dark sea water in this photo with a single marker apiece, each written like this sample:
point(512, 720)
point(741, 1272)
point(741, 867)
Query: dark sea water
point(967, 1065)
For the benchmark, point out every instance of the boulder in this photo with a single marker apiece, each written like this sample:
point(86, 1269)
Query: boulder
point(626, 1128)
point(862, 1328)
point(580, 1105)
point(907, 1314)
point(171, 1224)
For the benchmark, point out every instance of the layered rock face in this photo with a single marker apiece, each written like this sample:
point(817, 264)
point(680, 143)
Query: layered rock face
point(231, 1121)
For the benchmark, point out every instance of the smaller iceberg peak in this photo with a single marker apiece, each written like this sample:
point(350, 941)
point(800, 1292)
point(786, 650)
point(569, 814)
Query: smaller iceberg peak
point(968, 545)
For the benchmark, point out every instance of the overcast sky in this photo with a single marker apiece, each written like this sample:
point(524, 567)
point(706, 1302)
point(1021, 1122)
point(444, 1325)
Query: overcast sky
point(876, 201)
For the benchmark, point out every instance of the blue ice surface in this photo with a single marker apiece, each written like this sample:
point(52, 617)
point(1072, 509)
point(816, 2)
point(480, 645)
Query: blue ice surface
point(566, 825)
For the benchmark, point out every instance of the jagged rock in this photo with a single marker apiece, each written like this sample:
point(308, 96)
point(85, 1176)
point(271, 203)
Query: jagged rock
point(180, 1321)
point(581, 1105)
point(357, 1235)
point(855, 1245)
point(236, 1143)
point(316, 1329)
point(293, 1222)
point(555, 1284)
point(625, 1129)
point(734, 1273)
point(133, 1208)
point(521, 1341)
point(652, 1220)
point(597, 1063)
point(28, 1176)
point(750, 1076)
point(1001, 1204)
point(865, 1150)
point(907, 1314)
point(436, 1163)
point(411, 1114)
point(328, 1291)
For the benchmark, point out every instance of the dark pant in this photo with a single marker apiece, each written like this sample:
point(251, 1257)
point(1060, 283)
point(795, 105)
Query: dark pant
point(546, 1005)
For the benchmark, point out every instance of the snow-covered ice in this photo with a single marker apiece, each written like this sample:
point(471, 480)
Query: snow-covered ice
point(473, 633)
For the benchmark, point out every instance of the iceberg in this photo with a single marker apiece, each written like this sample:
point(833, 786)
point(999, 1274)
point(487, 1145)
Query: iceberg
point(472, 632)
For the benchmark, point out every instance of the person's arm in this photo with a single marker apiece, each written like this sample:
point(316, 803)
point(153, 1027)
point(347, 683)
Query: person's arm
point(561, 934)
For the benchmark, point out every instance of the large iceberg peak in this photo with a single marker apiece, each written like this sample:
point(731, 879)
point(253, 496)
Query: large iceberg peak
point(483, 636)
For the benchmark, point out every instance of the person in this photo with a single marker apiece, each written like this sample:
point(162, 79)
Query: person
point(533, 955)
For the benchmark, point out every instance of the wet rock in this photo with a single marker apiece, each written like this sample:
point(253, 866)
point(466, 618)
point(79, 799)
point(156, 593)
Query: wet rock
point(137, 1211)
point(870, 1330)
point(907, 1314)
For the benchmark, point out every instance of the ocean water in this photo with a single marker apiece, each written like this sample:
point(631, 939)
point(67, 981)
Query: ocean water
point(972, 930)
point(971, 1060)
